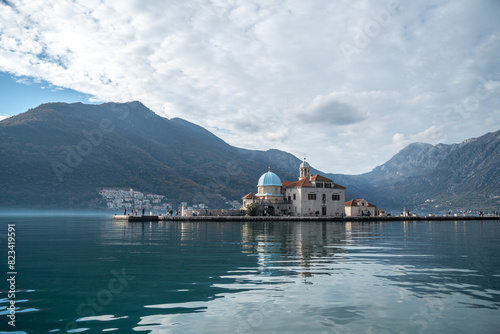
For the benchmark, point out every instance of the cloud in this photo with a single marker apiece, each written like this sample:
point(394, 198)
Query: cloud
point(327, 110)
point(432, 135)
point(255, 69)
point(25, 81)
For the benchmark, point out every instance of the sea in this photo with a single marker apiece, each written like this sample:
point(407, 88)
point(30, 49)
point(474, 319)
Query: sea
point(89, 274)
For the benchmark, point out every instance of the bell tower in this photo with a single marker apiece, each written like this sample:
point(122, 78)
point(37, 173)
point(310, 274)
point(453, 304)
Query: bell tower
point(305, 170)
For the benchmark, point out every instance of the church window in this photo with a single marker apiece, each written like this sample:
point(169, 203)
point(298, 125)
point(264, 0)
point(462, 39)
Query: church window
point(311, 197)
point(324, 197)
point(335, 197)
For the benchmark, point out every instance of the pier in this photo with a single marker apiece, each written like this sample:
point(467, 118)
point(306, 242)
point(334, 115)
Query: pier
point(297, 219)
point(136, 218)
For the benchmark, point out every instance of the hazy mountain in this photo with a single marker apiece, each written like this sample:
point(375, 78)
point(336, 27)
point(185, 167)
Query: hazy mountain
point(463, 176)
point(60, 155)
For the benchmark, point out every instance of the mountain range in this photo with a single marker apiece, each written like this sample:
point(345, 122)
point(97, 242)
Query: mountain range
point(60, 155)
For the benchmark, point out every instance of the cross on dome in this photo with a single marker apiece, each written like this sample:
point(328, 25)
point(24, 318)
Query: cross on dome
point(304, 164)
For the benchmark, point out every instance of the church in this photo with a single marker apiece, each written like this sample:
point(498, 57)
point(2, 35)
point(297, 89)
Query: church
point(310, 195)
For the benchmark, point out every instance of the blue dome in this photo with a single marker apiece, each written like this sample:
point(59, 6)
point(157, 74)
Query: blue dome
point(269, 179)
point(304, 164)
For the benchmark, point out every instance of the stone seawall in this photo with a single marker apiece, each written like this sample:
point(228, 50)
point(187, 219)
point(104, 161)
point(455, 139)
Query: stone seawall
point(325, 219)
point(303, 219)
point(211, 212)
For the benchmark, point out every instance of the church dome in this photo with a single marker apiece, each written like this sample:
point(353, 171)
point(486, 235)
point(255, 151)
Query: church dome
point(269, 179)
point(304, 164)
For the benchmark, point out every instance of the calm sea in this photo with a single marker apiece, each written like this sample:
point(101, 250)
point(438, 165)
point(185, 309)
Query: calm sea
point(90, 274)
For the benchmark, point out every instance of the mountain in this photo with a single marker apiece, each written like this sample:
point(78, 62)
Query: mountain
point(60, 155)
point(441, 177)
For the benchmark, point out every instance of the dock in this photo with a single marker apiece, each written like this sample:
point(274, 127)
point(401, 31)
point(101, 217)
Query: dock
point(298, 219)
point(136, 218)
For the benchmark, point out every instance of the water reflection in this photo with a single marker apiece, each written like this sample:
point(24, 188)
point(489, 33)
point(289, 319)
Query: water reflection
point(293, 249)
point(350, 277)
point(309, 277)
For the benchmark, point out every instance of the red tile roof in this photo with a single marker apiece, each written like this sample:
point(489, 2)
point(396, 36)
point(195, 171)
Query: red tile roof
point(338, 186)
point(318, 177)
point(354, 202)
point(302, 183)
point(307, 183)
point(249, 195)
point(349, 203)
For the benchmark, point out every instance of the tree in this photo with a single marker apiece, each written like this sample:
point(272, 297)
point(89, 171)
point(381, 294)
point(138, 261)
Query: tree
point(252, 209)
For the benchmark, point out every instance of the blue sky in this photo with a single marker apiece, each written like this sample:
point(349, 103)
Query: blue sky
point(348, 83)
point(19, 94)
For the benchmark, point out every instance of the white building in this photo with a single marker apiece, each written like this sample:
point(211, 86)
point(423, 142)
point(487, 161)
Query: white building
point(360, 207)
point(311, 195)
point(314, 195)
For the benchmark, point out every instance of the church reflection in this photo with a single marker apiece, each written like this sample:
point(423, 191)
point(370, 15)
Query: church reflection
point(299, 249)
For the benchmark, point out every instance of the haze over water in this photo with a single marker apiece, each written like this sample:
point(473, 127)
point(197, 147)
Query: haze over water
point(90, 274)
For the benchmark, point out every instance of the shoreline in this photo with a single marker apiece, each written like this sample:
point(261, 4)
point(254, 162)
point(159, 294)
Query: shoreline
point(297, 219)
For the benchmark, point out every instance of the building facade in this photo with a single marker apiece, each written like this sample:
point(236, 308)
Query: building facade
point(311, 195)
point(359, 208)
point(269, 199)
point(314, 195)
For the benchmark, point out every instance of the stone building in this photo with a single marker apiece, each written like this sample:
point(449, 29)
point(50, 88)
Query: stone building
point(314, 195)
point(270, 199)
point(311, 195)
point(360, 207)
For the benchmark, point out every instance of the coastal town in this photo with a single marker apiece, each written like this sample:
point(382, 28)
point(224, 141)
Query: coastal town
point(128, 200)
point(131, 199)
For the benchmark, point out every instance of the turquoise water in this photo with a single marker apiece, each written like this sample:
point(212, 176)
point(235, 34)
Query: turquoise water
point(90, 274)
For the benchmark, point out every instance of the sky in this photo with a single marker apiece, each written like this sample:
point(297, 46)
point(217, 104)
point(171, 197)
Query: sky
point(347, 84)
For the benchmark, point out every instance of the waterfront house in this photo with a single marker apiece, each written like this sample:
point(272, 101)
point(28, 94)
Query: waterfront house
point(360, 207)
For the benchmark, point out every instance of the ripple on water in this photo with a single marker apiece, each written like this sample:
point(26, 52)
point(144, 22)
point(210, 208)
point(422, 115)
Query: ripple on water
point(109, 317)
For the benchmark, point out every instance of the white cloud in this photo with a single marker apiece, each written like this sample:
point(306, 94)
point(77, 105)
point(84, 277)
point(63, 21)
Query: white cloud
point(432, 135)
point(328, 110)
point(25, 81)
point(257, 70)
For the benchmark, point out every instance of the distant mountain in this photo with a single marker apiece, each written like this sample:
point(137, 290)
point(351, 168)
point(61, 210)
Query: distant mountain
point(59, 155)
point(414, 159)
point(441, 177)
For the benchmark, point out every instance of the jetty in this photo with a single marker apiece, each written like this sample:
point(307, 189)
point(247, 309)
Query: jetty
point(297, 218)
point(136, 218)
